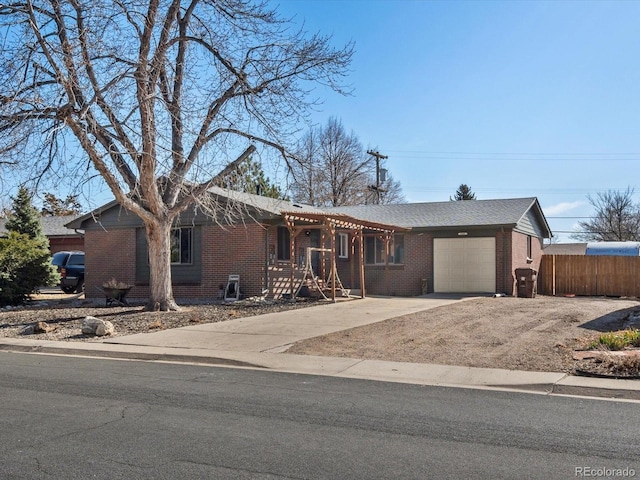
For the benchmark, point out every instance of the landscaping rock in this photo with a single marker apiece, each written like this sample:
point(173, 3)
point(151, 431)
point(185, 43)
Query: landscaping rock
point(43, 327)
point(28, 330)
point(97, 327)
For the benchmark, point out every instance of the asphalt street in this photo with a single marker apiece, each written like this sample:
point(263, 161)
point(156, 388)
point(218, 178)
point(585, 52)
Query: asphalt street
point(78, 418)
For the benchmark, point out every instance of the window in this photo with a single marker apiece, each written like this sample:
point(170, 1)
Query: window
point(76, 259)
point(181, 251)
point(343, 245)
point(284, 244)
point(528, 246)
point(374, 250)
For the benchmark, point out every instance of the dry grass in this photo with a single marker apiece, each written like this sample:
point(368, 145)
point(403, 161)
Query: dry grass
point(538, 334)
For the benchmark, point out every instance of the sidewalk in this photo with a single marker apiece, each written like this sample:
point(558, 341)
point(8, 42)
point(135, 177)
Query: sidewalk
point(258, 342)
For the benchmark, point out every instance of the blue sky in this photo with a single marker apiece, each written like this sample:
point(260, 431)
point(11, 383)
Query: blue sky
point(515, 99)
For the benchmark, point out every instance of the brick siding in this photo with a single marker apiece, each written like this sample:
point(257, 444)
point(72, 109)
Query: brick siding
point(519, 255)
point(234, 250)
point(246, 250)
point(59, 244)
point(110, 255)
point(401, 280)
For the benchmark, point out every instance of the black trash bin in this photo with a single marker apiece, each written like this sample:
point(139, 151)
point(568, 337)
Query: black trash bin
point(527, 281)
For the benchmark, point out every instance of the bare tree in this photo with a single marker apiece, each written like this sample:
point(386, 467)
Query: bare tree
point(333, 169)
point(305, 171)
point(617, 218)
point(158, 94)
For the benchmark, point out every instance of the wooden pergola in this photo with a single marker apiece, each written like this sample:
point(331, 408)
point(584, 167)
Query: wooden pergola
point(329, 224)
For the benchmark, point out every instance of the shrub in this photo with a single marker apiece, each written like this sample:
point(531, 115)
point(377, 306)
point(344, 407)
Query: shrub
point(617, 340)
point(25, 265)
point(632, 337)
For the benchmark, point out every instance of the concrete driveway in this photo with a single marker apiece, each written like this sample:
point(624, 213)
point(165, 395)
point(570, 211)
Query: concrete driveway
point(274, 332)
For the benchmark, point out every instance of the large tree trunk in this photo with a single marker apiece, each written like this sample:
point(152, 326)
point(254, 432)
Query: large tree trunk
point(161, 291)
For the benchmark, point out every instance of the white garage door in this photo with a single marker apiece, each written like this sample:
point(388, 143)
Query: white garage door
point(464, 264)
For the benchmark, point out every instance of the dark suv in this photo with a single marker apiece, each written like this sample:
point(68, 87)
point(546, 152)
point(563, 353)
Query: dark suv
point(71, 268)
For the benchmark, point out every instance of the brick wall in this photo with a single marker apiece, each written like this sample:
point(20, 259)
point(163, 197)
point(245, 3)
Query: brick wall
point(234, 250)
point(59, 244)
point(242, 250)
point(511, 253)
point(519, 254)
point(400, 280)
point(110, 255)
point(504, 273)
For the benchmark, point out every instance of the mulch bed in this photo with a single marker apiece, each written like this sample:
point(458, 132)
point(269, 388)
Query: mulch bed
point(623, 364)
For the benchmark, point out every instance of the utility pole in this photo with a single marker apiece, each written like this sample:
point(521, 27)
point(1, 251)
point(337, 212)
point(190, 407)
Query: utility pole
point(376, 188)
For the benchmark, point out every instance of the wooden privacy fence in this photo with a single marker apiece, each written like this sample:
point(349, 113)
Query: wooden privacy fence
point(589, 275)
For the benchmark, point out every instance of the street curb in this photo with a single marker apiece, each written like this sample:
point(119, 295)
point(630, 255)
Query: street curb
point(150, 357)
point(585, 391)
point(568, 385)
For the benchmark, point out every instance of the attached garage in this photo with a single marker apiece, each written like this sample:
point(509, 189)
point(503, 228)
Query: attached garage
point(464, 265)
point(469, 246)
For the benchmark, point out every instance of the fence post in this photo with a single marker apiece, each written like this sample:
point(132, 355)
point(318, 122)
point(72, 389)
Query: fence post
point(553, 277)
point(597, 261)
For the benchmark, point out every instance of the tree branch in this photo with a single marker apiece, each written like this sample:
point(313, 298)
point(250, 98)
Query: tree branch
point(201, 189)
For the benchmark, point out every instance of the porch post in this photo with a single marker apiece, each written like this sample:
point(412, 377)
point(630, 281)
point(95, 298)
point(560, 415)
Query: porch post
point(387, 239)
point(361, 255)
point(352, 259)
point(266, 283)
point(323, 241)
point(332, 233)
point(292, 253)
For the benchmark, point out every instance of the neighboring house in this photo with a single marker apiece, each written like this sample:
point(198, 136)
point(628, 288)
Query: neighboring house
point(466, 246)
point(565, 249)
point(620, 249)
point(60, 237)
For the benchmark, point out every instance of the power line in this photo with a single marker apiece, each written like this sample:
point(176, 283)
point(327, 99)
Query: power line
point(541, 154)
point(519, 156)
point(515, 190)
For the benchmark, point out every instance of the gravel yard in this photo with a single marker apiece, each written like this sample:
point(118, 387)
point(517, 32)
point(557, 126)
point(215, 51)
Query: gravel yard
point(538, 334)
point(64, 314)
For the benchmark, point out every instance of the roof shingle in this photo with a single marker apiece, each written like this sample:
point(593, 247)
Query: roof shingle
point(444, 214)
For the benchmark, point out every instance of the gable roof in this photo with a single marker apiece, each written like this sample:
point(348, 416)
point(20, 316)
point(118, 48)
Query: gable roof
point(270, 205)
point(510, 212)
point(267, 208)
point(51, 226)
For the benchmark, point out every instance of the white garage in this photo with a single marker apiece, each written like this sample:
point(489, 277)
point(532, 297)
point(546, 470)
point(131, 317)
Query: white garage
point(464, 265)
